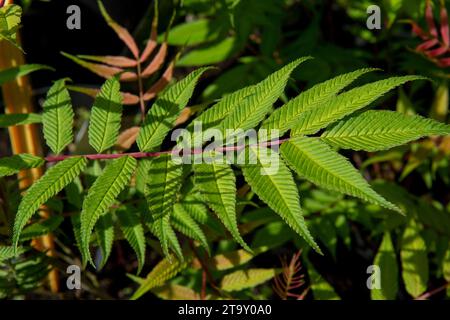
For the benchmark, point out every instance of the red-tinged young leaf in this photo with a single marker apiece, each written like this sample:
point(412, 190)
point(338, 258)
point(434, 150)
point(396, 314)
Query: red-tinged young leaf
point(161, 83)
point(123, 33)
point(152, 41)
point(417, 30)
point(157, 61)
point(445, 62)
point(115, 61)
point(126, 139)
point(128, 76)
point(437, 52)
point(430, 19)
point(99, 69)
point(444, 25)
point(427, 45)
point(129, 98)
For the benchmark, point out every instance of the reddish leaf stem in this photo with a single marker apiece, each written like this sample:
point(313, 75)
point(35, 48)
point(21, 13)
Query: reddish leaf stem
point(138, 155)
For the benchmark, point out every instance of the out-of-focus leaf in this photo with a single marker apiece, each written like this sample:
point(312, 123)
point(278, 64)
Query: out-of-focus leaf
point(10, 16)
point(249, 278)
point(321, 289)
point(41, 228)
point(194, 32)
point(439, 108)
point(210, 54)
point(414, 259)
point(387, 262)
point(176, 292)
point(165, 270)
point(20, 71)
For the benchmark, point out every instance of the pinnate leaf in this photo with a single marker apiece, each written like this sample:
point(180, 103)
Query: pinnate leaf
point(133, 232)
point(217, 185)
point(285, 117)
point(386, 260)
point(102, 195)
point(272, 181)
point(346, 103)
point(164, 112)
point(379, 130)
point(164, 178)
point(13, 164)
point(58, 117)
point(315, 161)
point(52, 182)
point(414, 259)
point(106, 115)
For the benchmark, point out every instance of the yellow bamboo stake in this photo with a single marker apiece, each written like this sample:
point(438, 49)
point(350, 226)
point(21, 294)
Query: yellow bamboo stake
point(17, 96)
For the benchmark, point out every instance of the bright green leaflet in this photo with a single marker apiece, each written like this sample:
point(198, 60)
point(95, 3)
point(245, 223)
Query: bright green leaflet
point(102, 195)
point(52, 182)
point(317, 162)
point(58, 116)
point(106, 114)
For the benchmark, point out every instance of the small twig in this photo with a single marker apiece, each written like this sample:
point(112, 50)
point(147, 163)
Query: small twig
point(427, 295)
point(206, 273)
point(141, 90)
point(137, 155)
point(203, 292)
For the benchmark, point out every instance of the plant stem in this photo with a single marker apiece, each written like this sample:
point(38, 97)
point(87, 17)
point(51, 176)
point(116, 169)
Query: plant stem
point(138, 155)
point(427, 295)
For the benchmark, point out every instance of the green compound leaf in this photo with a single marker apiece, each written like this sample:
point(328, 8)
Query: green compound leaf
point(217, 185)
point(162, 229)
point(380, 130)
point(13, 164)
point(106, 115)
point(52, 182)
point(346, 103)
point(57, 118)
point(287, 116)
point(164, 112)
point(214, 115)
point(10, 17)
point(272, 181)
point(163, 182)
point(318, 163)
point(102, 195)
point(254, 107)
